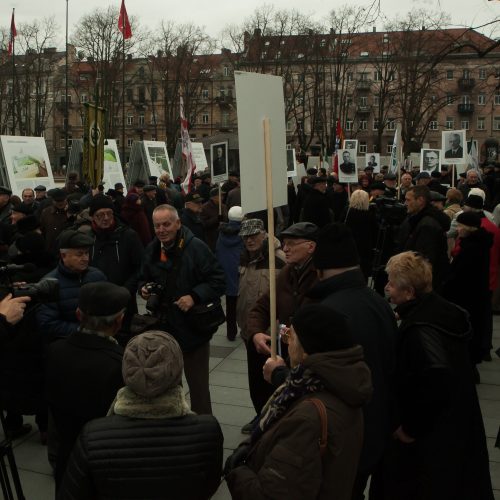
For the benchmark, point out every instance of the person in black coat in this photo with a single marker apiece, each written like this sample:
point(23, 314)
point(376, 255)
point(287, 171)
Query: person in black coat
point(84, 371)
point(439, 451)
point(150, 445)
point(316, 208)
point(190, 215)
point(337, 197)
point(468, 282)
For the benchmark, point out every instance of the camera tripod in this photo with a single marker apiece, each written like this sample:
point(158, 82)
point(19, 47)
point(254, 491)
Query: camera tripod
point(6, 452)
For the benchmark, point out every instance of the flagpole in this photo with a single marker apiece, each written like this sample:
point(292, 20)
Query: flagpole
point(13, 41)
point(123, 90)
point(66, 104)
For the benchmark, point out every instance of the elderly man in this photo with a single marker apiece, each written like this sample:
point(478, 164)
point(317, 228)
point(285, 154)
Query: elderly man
point(190, 216)
point(54, 219)
point(456, 150)
point(58, 319)
point(406, 183)
point(84, 370)
point(472, 181)
point(292, 284)
point(28, 198)
point(189, 275)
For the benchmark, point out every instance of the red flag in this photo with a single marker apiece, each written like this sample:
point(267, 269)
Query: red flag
point(123, 22)
point(187, 152)
point(339, 138)
point(13, 34)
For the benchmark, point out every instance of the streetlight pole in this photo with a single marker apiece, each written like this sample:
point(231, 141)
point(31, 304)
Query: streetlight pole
point(66, 106)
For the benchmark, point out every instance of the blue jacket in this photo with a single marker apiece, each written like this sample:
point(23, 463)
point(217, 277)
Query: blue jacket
point(58, 319)
point(199, 275)
point(228, 251)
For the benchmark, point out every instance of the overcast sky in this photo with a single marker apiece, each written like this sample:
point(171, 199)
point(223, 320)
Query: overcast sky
point(215, 14)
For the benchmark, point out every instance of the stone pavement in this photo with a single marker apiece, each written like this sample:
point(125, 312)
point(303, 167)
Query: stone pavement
point(233, 408)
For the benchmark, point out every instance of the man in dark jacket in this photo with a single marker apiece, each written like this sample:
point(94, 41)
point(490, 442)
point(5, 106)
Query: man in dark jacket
point(190, 275)
point(54, 219)
point(150, 445)
point(190, 216)
point(58, 319)
point(316, 208)
point(212, 214)
point(84, 371)
point(424, 231)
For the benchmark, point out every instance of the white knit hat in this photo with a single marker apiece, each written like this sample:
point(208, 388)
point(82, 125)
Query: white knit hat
point(235, 213)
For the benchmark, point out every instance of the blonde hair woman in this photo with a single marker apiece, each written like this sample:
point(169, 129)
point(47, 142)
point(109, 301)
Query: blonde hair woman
point(439, 448)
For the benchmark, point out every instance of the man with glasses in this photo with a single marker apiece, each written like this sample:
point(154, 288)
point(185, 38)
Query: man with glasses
point(292, 284)
point(116, 250)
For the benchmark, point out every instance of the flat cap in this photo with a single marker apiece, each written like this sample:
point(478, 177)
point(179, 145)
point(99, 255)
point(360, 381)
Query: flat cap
point(435, 196)
point(74, 239)
point(193, 198)
point(303, 230)
point(139, 183)
point(119, 185)
point(102, 298)
point(390, 177)
point(58, 194)
point(214, 192)
point(250, 227)
point(153, 179)
point(149, 187)
point(40, 188)
point(205, 175)
point(423, 175)
point(5, 190)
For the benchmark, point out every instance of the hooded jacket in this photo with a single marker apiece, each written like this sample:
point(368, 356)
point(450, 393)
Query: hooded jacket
point(286, 462)
point(228, 251)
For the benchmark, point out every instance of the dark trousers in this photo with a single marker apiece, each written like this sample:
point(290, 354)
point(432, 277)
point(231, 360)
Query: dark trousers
point(232, 327)
point(260, 390)
point(196, 371)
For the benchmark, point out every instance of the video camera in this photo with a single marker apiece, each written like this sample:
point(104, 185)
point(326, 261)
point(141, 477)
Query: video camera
point(390, 211)
point(46, 290)
point(155, 291)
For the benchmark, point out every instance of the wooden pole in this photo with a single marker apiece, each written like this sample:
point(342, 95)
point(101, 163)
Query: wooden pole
point(270, 232)
point(453, 176)
point(220, 202)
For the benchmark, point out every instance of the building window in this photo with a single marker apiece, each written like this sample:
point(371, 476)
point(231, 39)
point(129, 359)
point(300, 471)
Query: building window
point(466, 99)
point(141, 119)
point(225, 70)
point(449, 123)
point(449, 99)
point(154, 94)
point(496, 123)
point(449, 74)
point(300, 101)
point(376, 124)
point(497, 99)
point(348, 124)
point(118, 142)
point(129, 142)
point(349, 100)
point(350, 77)
point(289, 126)
point(433, 125)
point(363, 77)
point(153, 119)
point(130, 119)
point(204, 118)
point(391, 124)
point(481, 99)
point(389, 148)
point(130, 95)
point(482, 73)
point(84, 98)
point(225, 119)
point(466, 74)
point(376, 100)
point(481, 123)
point(362, 147)
point(142, 94)
point(116, 120)
point(377, 76)
point(363, 101)
point(363, 124)
point(465, 124)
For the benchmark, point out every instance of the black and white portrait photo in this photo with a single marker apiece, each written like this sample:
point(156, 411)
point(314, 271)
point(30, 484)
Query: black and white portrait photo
point(347, 165)
point(372, 160)
point(291, 167)
point(351, 144)
point(453, 146)
point(218, 154)
point(430, 160)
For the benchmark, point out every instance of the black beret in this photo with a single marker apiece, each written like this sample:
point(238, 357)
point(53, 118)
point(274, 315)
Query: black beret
point(321, 329)
point(205, 175)
point(149, 187)
point(463, 175)
point(58, 194)
point(74, 239)
point(102, 298)
point(100, 201)
point(474, 201)
point(471, 219)
point(40, 188)
point(5, 190)
point(335, 248)
point(303, 230)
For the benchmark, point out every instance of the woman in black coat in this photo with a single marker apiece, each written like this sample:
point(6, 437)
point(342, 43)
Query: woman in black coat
point(468, 281)
point(361, 219)
point(439, 449)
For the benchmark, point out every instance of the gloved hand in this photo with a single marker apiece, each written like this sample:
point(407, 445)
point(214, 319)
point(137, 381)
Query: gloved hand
point(237, 458)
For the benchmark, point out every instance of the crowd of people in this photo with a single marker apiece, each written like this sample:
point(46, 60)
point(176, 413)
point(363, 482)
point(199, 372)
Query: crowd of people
point(385, 295)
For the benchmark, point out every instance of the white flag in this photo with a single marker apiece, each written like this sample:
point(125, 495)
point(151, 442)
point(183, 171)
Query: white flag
point(187, 152)
point(396, 151)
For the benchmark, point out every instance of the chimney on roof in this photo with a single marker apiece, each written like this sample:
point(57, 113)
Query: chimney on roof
point(332, 31)
point(374, 29)
point(225, 52)
point(257, 32)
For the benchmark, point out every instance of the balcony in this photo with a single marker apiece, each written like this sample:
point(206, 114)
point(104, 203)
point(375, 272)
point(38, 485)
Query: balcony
point(466, 109)
point(225, 100)
point(364, 110)
point(363, 84)
point(466, 83)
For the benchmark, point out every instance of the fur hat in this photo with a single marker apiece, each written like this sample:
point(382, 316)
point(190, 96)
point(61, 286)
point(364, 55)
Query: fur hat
point(152, 364)
point(100, 201)
point(322, 329)
point(335, 248)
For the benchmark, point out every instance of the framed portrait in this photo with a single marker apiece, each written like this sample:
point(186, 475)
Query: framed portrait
point(348, 171)
point(373, 160)
point(453, 147)
point(351, 144)
point(219, 162)
point(291, 164)
point(430, 160)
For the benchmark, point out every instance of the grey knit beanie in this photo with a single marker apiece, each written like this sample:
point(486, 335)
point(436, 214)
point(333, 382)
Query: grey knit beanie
point(152, 364)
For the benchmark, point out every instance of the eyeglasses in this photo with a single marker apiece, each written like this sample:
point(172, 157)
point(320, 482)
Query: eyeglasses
point(104, 215)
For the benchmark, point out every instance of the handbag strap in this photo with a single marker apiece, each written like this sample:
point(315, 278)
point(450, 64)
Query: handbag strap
point(320, 406)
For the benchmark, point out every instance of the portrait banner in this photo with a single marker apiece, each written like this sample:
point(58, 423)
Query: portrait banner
point(93, 144)
point(348, 172)
point(453, 147)
point(219, 162)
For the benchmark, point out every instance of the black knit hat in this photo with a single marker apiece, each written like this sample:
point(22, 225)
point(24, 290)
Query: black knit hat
point(471, 219)
point(29, 223)
point(335, 248)
point(474, 201)
point(100, 201)
point(321, 329)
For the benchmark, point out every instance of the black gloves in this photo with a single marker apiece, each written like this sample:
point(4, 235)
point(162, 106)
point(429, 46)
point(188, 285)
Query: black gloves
point(237, 458)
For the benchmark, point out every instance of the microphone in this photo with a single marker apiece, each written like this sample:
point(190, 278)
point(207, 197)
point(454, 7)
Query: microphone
point(13, 268)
